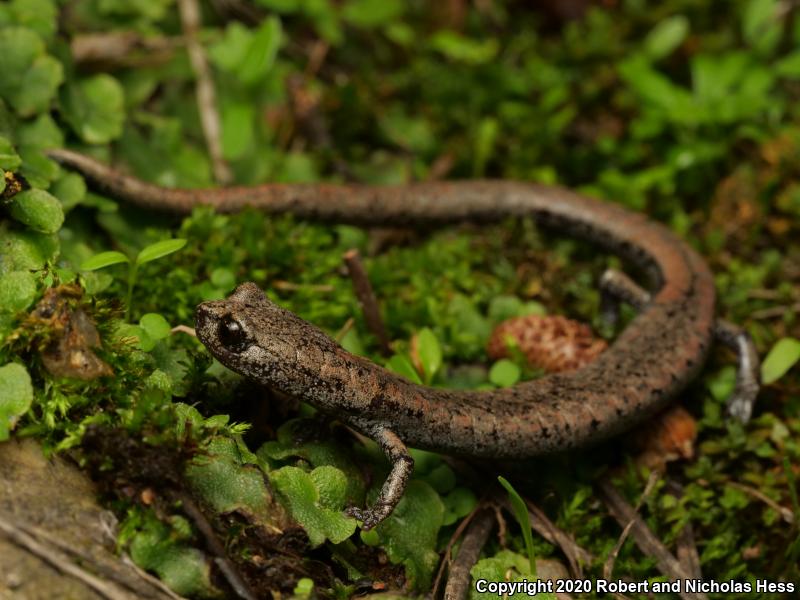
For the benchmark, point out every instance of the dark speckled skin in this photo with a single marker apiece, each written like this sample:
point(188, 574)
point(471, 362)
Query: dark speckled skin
point(650, 362)
point(653, 359)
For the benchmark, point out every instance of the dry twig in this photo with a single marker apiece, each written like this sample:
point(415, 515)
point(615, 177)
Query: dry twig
point(475, 537)
point(774, 312)
point(366, 297)
point(608, 566)
point(58, 560)
point(206, 95)
point(184, 329)
point(226, 567)
point(786, 514)
point(576, 555)
point(645, 539)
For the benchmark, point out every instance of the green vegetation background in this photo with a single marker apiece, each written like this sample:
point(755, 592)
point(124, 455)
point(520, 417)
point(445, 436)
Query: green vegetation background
point(684, 110)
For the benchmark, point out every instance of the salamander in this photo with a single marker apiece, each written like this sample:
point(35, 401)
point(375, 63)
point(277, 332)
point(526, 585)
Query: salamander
point(655, 357)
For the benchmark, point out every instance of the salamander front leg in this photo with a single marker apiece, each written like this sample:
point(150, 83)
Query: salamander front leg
point(616, 287)
point(395, 484)
point(748, 380)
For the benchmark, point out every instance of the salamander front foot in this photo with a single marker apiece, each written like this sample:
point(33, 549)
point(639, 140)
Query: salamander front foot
point(395, 485)
point(370, 517)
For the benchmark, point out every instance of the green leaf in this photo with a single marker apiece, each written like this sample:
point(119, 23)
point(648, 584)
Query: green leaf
point(95, 108)
point(666, 36)
point(9, 159)
point(159, 249)
point(260, 56)
point(281, 6)
point(37, 168)
point(104, 259)
point(302, 439)
point(315, 501)
point(455, 46)
point(27, 249)
point(237, 129)
point(136, 335)
point(504, 373)
point(789, 65)
point(16, 396)
point(783, 356)
point(184, 569)
point(155, 325)
point(458, 504)
point(410, 533)
point(722, 384)
point(658, 91)
point(429, 352)
point(38, 209)
point(39, 15)
point(523, 518)
point(70, 190)
point(761, 24)
point(401, 364)
point(30, 77)
point(17, 291)
point(231, 49)
point(221, 476)
point(503, 566)
point(372, 13)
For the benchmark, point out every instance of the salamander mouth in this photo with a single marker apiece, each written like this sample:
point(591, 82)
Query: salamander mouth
point(205, 324)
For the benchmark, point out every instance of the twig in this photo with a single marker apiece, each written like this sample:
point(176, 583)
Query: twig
point(240, 10)
point(154, 581)
point(111, 50)
point(288, 286)
point(475, 537)
point(576, 555)
point(687, 552)
point(502, 526)
point(75, 552)
point(61, 562)
point(228, 569)
point(206, 96)
point(775, 311)
point(366, 297)
point(348, 325)
point(184, 329)
point(645, 539)
point(608, 566)
point(784, 512)
point(445, 562)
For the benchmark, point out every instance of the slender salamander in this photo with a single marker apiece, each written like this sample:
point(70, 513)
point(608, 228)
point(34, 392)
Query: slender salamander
point(654, 358)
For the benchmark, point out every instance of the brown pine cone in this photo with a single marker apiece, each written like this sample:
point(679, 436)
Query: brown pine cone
point(553, 343)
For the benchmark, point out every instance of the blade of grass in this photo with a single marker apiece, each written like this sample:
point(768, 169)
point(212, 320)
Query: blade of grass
point(523, 518)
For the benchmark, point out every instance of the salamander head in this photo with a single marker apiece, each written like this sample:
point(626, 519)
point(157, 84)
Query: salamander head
point(258, 339)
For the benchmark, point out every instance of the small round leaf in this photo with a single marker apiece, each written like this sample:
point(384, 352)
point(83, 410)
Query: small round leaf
point(504, 373)
point(155, 325)
point(16, 396)
point(17, 291)
point(39, 210)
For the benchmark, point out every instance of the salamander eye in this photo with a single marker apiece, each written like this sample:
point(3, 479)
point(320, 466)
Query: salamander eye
point(232, 335)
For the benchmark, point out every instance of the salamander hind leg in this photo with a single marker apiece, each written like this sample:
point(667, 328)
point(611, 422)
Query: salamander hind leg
point(740, 404)
point(616, 287)
point(395, 485)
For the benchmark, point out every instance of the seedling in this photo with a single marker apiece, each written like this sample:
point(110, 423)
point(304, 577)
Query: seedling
point(147, 254)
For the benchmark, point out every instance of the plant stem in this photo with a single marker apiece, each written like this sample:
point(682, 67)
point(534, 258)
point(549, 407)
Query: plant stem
point(132, 272)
